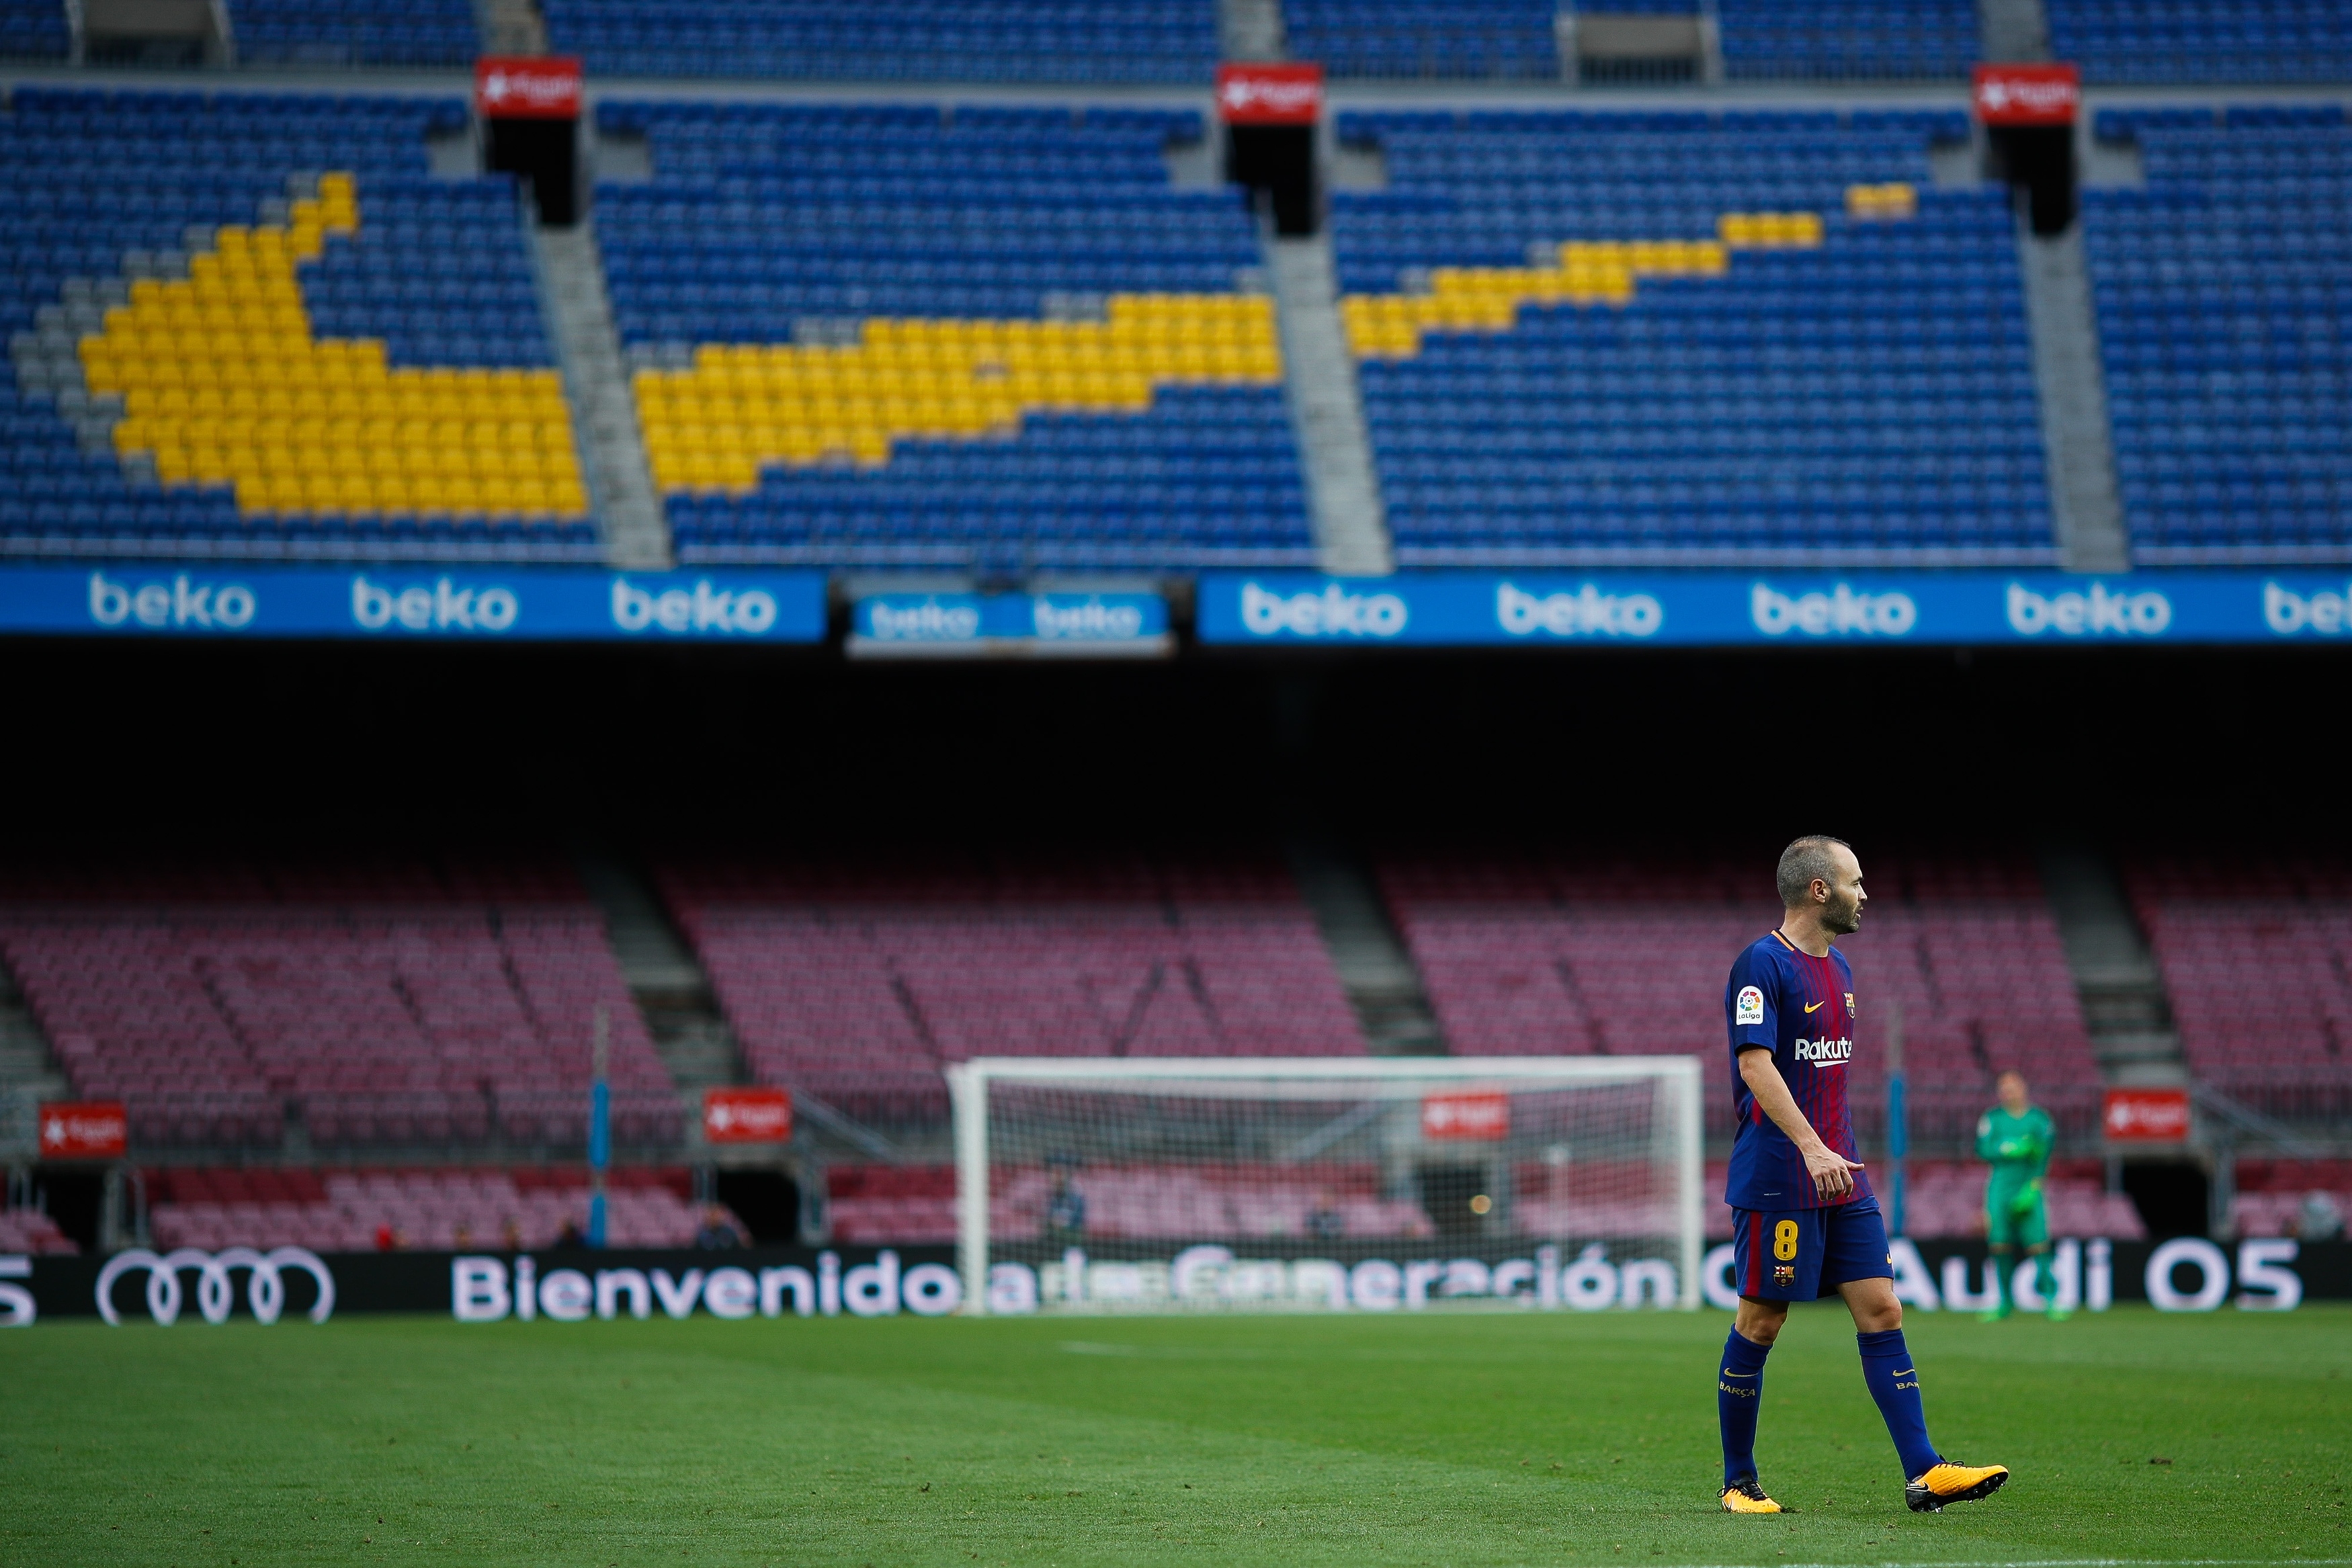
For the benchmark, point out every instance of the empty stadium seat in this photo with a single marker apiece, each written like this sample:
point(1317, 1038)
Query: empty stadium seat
point(2255, 953)
point(871, 335)
point(2223, 289)
point(858, 982)
point(1872, 39)
point(355, 32)
point(2274, 1198)
point(296, 344)
point(1141, 1202)
point(1946, 1198)
point(34, 30)
point(1683, 337)
point(30, 1231)
point(412, 1007)
point(1438, 38)
point(2167, 41)
point(1549, 953)
point(444, 1209)
point(893, 40)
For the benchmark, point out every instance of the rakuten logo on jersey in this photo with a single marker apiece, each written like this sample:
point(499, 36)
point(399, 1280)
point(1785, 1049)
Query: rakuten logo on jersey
point(2097, 613)
point(701, 609)
point(443, 607)
point(1841, 612)
point(1334, 612)
point(182, 605)
point(2286, 613)
point(1823, 1052)
point(1587, 612)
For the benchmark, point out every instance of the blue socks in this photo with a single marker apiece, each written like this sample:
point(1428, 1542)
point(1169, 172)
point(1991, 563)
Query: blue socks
point(1894, 1381)
point(1738, 1392)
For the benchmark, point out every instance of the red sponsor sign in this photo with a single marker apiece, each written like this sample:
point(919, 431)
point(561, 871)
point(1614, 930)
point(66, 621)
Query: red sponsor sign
point(527, 87)
point(746, 1115)
point(88, 1130)
point(2147, 1115)
point(1483, 1118)
point(1269, 95)
point(2028, 95)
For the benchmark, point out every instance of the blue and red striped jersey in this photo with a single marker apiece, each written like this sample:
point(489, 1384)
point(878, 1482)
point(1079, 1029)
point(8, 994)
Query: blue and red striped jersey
point(1801, 1008)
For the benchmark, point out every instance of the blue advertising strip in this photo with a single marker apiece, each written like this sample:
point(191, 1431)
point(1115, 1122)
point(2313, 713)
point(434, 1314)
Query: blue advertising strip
point(1765, 609)
point(950, 623)
point(409, 603)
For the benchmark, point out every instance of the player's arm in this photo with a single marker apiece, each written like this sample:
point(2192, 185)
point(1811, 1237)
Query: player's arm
point(2033, 1157)
point(1831, 1172)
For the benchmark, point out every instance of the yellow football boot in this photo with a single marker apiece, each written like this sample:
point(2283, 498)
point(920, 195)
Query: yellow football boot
point(1748, 1497)
point(1948, 1482)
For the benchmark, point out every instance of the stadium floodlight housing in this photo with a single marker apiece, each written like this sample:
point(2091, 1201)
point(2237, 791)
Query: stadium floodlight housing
point(1365, 1183)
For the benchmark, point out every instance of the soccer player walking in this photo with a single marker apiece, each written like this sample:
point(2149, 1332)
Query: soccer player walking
point(1803, 1222)
point(2015, 1137)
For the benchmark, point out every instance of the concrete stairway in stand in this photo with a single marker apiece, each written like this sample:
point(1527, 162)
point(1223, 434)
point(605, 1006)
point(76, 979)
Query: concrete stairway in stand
point(1251, 29)
point(2124, 1003)
point(604, 410)
point(1328, 410)
point(1378, 973)
point(29, 1075)
point(2078, 449)
point(691, 1034)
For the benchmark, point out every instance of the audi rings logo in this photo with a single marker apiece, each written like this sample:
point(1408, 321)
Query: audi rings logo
point(265, 1285)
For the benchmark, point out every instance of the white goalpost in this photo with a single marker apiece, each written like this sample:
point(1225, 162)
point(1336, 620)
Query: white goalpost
point(1345, 1184)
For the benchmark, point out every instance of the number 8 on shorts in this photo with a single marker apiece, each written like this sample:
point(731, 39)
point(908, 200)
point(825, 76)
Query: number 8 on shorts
point(1800, 1254)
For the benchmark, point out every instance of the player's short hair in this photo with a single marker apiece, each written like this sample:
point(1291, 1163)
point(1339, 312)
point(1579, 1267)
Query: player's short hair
point(1801, 861)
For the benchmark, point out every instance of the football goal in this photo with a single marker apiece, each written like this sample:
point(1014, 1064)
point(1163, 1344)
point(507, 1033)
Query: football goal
point(1352, 1184)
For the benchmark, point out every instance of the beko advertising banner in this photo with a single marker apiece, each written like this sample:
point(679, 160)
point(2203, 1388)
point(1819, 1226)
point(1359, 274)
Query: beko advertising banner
point(290, 1286)
point(1791, 609)
point(936, 625)
point(409, 603)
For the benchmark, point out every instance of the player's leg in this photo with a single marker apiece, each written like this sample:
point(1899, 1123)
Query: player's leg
point(2000, 1241)
point(1739, 1379)
point(2033, 1234)
point(1855, 1260)
point(1887, 1370)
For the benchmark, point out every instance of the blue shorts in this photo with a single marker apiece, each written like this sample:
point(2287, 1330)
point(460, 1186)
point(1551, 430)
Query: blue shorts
point(1802, 1254)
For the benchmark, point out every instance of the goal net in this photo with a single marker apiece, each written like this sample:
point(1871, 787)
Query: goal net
point(1389, 1184)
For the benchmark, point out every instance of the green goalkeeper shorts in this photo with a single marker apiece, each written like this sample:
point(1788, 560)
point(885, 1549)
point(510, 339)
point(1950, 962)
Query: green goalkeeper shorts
point(2003, 1228)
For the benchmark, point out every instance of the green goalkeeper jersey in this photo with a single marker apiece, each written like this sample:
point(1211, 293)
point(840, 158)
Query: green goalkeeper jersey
point(2018, 1148)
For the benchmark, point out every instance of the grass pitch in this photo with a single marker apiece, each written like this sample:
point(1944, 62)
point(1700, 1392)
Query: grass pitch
point(1436, 1439)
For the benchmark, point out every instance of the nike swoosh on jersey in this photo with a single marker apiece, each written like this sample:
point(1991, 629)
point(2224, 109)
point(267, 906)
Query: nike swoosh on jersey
point(1815, 1006)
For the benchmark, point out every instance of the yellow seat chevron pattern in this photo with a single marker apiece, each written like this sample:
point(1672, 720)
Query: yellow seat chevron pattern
point(1489, 298)
point(743, 407)
point(224, 383)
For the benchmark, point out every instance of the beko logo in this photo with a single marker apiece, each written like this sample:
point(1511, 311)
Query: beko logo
point(1091, 620)
point(1587, 612)
point(443, 607)
point(182, 603)
point(1824, 1050)
point(1841, 612)
point(747, 611)
point(1334, 612)
point(2286, 613)
point(2095, 613)
point(923, 621)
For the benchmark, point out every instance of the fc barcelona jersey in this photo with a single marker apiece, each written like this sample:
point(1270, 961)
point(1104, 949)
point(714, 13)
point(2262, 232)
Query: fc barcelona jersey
point(1801, 1008)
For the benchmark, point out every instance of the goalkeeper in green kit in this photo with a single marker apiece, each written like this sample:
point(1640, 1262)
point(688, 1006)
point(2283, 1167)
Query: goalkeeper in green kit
point(2015, 1136)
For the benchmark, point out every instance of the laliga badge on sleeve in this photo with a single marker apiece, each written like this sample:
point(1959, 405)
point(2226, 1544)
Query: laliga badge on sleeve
point(1750, 1008)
